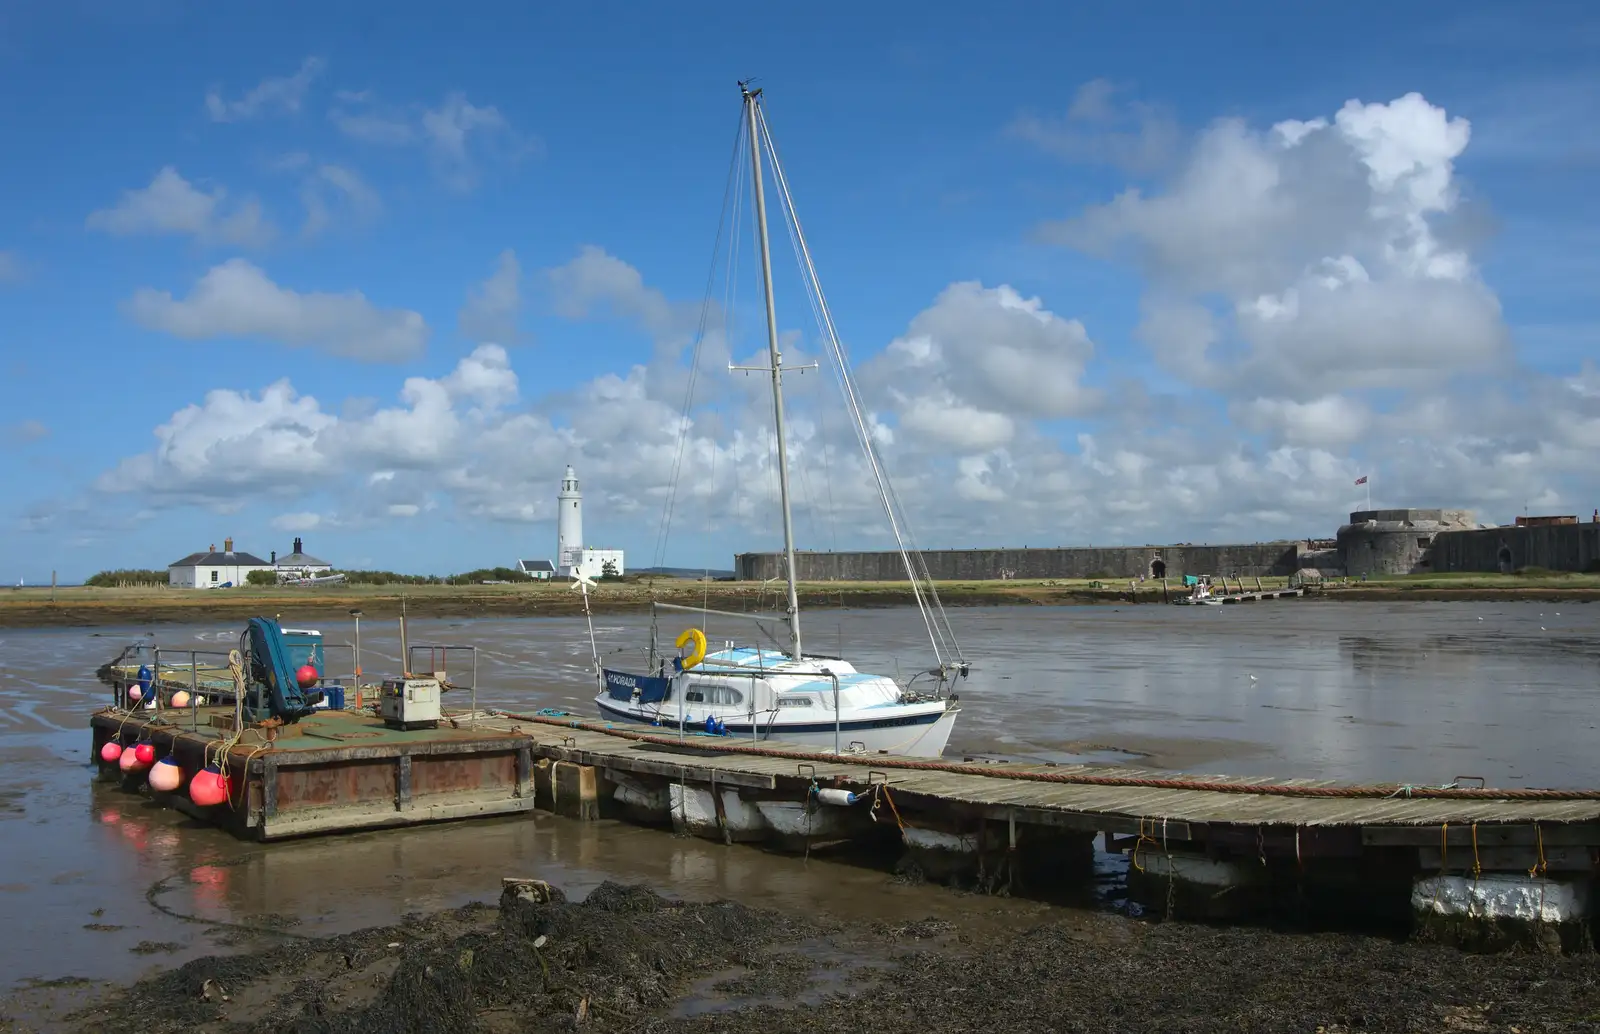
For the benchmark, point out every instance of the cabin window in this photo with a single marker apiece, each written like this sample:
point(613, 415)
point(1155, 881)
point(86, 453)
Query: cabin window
point(794, 701)
point(703, 693)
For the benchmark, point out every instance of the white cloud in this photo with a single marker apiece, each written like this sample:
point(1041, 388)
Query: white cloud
point(978, 361)
point(330, 189)
point(1322, 236)
point(456, 134)
point(237, 300)
point(492, 308)
point(1097, 130)
point(1330, 421)
point(281, 94)
point(598, 282)
point(173, 205)
point(962, 406)
point(302, 521)
point(26, 432)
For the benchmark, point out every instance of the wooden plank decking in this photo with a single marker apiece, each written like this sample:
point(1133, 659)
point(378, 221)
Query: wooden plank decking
point(307, 760)
point(1105, 808)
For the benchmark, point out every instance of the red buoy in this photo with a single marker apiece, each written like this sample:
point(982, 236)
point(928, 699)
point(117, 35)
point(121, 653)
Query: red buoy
point(307, 676)
point(129, 762)
point(146, 753)
point(111, 752)
point(208, 788)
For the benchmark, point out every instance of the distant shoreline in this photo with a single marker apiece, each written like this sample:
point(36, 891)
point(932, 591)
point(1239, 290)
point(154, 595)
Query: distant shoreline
point(98, 607)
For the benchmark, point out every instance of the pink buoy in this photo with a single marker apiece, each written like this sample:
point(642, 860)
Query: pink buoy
point(146, 753)
point(129, 762)
point(166, 776)
point(135, 694)
point(208, 788)
point(180, 699)
point(307, 676)
point(111, 752)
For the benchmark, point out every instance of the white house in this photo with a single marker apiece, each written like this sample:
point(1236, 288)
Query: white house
point(299, 564)
point(538, 570)
point(596, 563)
point(211, 569)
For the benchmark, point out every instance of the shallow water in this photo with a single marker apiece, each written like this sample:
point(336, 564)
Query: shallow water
point(1414, 692)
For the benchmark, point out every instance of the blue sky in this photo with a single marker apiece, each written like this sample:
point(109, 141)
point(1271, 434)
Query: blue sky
point(374, 275)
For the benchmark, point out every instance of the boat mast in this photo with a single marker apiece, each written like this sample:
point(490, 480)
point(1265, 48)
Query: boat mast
point(751, 98)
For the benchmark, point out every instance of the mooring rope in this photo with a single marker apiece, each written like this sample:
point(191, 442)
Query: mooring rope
point(879, 761)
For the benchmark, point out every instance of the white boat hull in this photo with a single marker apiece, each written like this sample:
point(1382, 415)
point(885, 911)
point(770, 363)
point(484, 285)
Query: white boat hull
point(919, 732)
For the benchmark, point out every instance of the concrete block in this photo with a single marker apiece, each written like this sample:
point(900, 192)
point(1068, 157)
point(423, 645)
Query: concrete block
point(1181, 885)
point(576, 790)
point(1496, 911)
point(642, 800)
point(722, 815)
point(794, 826)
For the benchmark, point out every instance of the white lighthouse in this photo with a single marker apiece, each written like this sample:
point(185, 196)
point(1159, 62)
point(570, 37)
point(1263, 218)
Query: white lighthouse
point(572, 556)
point(569, 524)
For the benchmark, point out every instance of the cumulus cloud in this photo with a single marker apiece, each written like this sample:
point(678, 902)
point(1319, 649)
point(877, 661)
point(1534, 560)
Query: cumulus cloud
point(456, 134)
point(977, 361)
point(1099, 129)
point(966, 407)
point(304, 520)
point(237, 300)
point(597, 282)
point(26, 432)
point(329, 191)
point(493, 307)
point(1314, 249)
point(173, 205)
point(273, 95)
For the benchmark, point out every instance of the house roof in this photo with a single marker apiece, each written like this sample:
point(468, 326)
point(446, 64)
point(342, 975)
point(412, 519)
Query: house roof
point(235, 559)
point(301, 560)
point(530, 566)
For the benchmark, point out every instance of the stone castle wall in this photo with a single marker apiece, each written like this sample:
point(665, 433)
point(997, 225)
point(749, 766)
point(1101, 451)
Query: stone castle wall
point(1557, 547)
point(1112, 562)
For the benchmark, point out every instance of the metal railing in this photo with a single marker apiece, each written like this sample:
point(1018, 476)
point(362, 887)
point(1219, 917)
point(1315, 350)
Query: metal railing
point(439, 667)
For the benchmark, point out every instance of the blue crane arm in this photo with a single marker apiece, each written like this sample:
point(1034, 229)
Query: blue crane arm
point(270, 665)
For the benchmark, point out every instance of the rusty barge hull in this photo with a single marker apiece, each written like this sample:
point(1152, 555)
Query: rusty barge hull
point(335, 771)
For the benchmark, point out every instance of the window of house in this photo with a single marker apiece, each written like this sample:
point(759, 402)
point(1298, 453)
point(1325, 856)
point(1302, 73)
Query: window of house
point(214, 575)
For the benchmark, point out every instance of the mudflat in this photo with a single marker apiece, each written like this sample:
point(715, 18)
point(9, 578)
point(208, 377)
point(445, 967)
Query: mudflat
point(627, 959)
point(88, 606)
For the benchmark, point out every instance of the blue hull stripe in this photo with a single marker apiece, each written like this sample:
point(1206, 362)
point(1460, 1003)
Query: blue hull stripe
point(777, 729)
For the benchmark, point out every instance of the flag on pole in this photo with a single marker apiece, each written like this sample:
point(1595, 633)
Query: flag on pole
point(1361, 480)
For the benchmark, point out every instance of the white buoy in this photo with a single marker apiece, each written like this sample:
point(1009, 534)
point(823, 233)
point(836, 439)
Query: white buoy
point(841, 798)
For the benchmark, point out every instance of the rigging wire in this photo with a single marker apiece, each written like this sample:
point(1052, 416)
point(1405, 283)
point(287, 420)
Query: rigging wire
point(664, 532)
point(940, 632)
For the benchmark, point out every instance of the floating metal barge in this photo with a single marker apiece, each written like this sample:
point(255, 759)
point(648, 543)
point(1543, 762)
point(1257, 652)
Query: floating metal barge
point(335, 770)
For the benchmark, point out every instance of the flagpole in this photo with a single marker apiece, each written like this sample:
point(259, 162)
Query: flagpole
point(1369, 491)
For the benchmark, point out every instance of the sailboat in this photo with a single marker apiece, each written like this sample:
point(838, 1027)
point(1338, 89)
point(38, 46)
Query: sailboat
point(777, 690)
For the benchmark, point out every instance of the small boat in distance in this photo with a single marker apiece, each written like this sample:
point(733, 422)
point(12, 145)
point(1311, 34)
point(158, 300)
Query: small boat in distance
point(1200, 595)
point(785, 694)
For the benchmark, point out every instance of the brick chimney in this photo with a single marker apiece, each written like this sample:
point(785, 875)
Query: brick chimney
point(227, 545)
point(297, 548)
